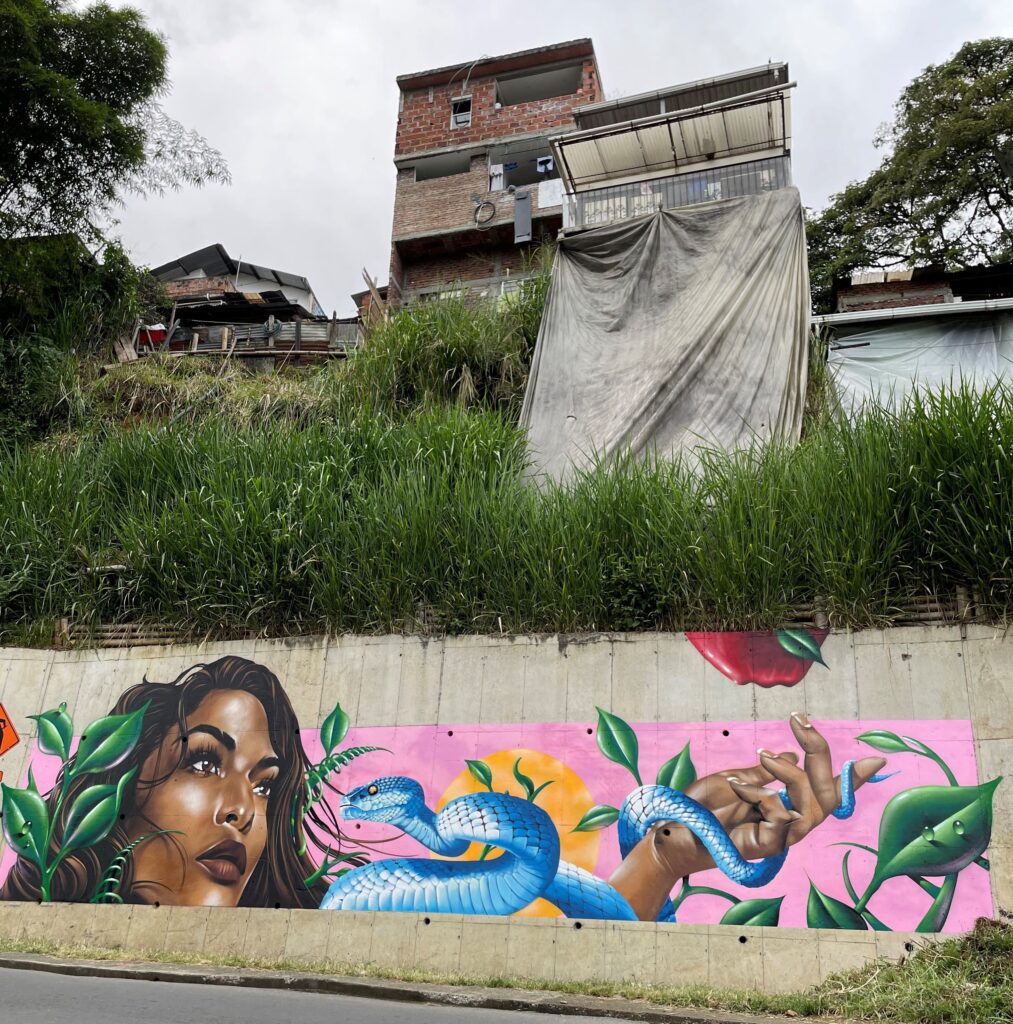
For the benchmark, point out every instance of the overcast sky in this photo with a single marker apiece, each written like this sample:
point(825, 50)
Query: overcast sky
point(300, 97)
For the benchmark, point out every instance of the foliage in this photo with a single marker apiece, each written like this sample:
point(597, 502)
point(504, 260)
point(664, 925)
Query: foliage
point(82, 125)
point(70, 81)
point(46, 835)
point(941, 195)
point(372, 523)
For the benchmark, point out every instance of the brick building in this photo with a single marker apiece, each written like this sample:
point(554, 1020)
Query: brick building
point(477, 184)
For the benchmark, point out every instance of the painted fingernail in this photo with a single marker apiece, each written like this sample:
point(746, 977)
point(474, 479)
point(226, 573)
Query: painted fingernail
point(801, 719)
point(765, 753)
point(732, 778)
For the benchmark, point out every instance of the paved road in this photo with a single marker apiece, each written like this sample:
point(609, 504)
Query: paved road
point(34, 997)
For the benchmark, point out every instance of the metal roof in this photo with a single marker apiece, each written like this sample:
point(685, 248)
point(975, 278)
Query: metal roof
point(750, 123)
point(682, 97)
point(216, 262)
point(909, 312)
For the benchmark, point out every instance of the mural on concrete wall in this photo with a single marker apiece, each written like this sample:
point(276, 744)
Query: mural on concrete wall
point(205, 791)
point(774, 657)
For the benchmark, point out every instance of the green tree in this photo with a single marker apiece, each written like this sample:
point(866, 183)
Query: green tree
point(943, 193)
point(81, 124)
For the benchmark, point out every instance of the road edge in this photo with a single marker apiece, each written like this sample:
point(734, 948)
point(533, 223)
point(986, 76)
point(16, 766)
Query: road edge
point(531, 1001)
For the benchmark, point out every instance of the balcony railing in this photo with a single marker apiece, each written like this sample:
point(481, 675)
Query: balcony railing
point(635, 199)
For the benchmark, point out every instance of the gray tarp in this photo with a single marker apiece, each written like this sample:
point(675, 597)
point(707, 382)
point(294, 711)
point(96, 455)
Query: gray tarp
point(884, 362)
point(684, 328)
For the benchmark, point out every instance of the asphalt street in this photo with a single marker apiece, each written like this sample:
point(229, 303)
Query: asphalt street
point(34, 997)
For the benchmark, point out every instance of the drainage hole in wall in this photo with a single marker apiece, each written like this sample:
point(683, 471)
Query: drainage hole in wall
point(183, 739)
point(450, 732)
point(577, 924)
point(357, 825)
point(123, 817)
point(909, 947)
point(666, 831)
point(743, 939)
point(724, 732)
point(277, 906)
point(156, 904)
point(425, 920)
point(590, 731)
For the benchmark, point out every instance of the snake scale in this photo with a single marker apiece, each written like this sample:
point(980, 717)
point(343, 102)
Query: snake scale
point(529, 866)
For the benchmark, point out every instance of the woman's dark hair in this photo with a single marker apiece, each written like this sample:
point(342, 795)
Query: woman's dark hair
point(278, 878)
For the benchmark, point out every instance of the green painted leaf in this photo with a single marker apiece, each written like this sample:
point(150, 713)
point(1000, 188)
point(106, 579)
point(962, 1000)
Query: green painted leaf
point(107, 742)
point(758, 912)
point(93, 814)
point(618, 742)
point(824, 911)
point(335, 726)
point(26, 823)
point(933, 830)
point(527, 783)
point(800, 644)
point(481, 773)
point(935, 916)
point(886, 741)
point(56, 730)
point(600, 816)
point(679, 772)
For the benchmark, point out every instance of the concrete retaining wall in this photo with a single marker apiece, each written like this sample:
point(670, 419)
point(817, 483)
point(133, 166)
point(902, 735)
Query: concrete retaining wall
point(504, 694)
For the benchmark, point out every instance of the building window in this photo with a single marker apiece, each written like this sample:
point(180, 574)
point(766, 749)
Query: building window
point(442, 166)
point(460, 112)
point(530, 86)
point(520, 164)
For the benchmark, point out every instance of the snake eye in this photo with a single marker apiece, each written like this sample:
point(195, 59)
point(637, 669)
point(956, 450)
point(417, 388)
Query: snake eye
point(373, 790)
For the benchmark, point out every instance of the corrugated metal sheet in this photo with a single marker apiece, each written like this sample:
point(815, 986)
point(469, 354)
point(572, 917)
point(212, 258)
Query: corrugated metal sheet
point(675, 140)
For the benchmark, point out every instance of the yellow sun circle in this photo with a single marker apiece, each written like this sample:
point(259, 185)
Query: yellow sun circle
point(566, 799)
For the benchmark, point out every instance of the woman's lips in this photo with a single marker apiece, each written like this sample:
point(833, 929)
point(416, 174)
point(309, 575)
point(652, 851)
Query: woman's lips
point(225, 862)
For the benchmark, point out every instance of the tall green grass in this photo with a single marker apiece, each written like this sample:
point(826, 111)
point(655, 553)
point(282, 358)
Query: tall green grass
point(423, 522)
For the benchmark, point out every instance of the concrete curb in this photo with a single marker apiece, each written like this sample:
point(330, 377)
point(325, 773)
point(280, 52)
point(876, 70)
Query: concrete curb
point(375, 988)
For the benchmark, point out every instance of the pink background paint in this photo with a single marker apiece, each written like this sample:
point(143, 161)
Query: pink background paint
point(435, 756)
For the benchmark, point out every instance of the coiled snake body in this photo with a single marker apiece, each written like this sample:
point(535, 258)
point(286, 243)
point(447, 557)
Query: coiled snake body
point(529, 866)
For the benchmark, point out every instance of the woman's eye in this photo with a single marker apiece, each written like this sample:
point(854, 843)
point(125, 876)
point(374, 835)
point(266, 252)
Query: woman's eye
point(263, 788)
point(205, 766)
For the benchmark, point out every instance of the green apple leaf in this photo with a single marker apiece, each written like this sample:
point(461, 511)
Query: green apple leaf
point(334, 729)
point(107, 742)
point(527, 783)
point(618, 742)
point(481, 773)
point(824, 911)
point(758, 912)
point(93, 814)
point(886, 741)
point(26, 823)
point(598, 817)
point(800, 644)
point(679, 772)
point(56, 730)
point(932, 830)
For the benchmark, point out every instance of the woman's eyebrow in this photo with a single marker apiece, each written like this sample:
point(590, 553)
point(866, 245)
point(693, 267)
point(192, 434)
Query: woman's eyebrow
point(212, 730)
point(267, 762)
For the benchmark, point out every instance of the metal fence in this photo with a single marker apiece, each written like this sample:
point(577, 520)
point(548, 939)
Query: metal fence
point(635, 199)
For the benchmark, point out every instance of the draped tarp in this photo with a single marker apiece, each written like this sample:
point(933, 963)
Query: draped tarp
point(685, 328)
point(883, 362)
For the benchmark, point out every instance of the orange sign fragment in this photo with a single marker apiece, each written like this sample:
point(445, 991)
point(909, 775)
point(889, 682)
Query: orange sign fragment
point(8, 735)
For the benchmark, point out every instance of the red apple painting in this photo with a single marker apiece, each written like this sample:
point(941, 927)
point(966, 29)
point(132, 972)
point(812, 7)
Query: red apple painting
point(776, 657)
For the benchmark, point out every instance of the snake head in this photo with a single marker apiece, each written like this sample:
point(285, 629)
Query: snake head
point(388, 799)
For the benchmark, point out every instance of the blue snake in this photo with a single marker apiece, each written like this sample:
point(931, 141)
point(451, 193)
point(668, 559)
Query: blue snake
point(529, 866)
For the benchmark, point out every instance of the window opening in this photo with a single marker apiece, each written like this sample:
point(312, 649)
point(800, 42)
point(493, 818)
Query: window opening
point(460, 112)
point(538, 85)
point(442, 166)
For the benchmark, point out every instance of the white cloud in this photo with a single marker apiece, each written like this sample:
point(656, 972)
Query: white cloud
point(300, 96)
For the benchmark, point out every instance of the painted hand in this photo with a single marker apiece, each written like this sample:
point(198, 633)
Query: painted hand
point(754, 816)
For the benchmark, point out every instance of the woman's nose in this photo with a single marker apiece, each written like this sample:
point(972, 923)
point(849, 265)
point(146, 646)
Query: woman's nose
point(237, 807)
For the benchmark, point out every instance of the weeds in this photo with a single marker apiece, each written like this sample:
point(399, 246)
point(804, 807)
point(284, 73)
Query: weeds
point(371, 522)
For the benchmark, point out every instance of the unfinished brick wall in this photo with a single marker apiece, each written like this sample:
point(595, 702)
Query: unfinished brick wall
point(192, 287)
point(888, 294)
point(424, 121)
point(463, 267)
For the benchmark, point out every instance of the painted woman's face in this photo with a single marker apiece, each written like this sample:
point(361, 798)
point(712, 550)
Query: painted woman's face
point(217, 798)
